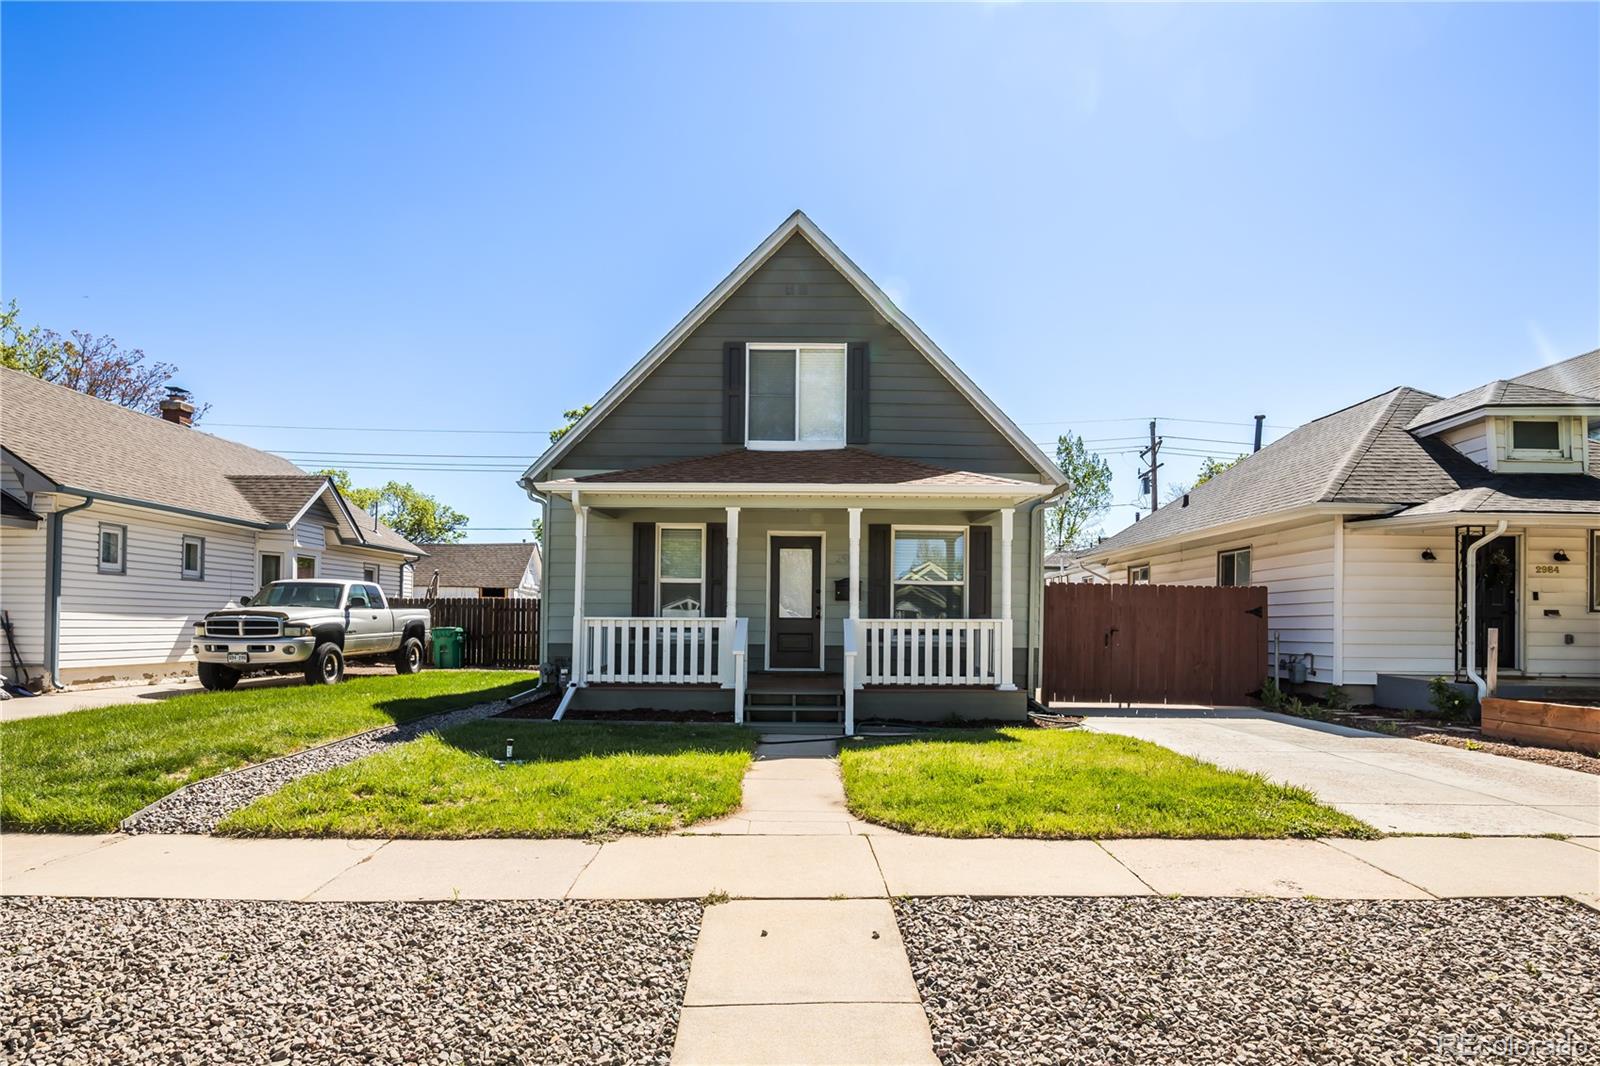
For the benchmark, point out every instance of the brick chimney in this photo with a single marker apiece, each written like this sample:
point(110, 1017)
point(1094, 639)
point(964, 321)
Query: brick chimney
point(177, 408)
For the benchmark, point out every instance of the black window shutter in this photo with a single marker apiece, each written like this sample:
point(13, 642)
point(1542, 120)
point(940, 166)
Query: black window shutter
point(733, 392)
point(980, 579)
point(716, 569)
point(878, 563)
point(857, 394)
point(644, 569)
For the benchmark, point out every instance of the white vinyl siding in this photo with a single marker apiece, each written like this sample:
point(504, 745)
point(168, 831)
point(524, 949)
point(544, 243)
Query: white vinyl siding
point(1399, 609)
point(1471, 440)
point(22, 587)
point(1563, 587)
point(145, 615)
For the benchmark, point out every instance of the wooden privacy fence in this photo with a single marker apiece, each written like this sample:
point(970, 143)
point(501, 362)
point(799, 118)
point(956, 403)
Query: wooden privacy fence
point(498, 632)
point(1154, 643)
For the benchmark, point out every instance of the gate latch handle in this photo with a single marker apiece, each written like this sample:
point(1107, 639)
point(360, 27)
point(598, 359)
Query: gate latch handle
point(1109, 634)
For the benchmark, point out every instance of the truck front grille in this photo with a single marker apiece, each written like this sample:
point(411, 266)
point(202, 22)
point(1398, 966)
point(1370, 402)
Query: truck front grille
point(245, 626)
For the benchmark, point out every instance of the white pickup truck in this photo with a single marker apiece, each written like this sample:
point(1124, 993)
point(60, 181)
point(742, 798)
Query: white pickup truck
point(308, 627)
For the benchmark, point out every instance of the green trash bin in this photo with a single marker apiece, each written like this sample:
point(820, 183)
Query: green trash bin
point(448, 643)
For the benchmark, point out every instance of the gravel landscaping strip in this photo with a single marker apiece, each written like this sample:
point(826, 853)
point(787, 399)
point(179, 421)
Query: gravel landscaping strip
point(197, 808)
point(1255, 981)
point(116, 980)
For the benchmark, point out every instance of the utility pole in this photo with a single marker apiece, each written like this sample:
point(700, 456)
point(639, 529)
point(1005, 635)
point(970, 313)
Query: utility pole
point(1148, 476)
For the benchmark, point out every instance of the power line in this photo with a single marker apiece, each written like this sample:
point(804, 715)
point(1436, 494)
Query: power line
point(380, 429)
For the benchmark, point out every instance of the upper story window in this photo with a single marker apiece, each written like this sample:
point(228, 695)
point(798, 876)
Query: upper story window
point(1139, 575)
point(1233, 567)
point(796, 396)
point(1538, 438)
point(930, 573)
point(680, 571)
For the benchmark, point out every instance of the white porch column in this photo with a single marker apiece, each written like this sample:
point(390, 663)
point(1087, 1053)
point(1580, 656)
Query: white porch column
point(854, 679)
point(731, 583)
point(579, 565)
point(1008, 517)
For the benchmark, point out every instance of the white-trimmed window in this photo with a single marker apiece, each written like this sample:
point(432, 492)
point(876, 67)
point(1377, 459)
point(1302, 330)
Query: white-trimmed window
point(113, 549)
point(1233, 567)
point(193, 559)
point(305, 566)
point(795, 395)
point(1538, 438)
point(369, 572)
point(929, 571)
point(680, 571)
point(1139, 574)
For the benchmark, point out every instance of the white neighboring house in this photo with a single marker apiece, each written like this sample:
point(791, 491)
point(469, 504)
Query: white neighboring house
point(120, 530)
point(1359, 525)
point(1070, 567)
point(480, 571)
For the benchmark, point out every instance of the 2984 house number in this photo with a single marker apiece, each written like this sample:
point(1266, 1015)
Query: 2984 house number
point(1547, 568)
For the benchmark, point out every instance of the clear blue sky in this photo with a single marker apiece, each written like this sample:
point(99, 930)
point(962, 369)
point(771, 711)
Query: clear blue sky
point(473, 217)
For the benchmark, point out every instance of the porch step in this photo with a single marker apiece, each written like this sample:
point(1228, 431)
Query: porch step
point(795, 699)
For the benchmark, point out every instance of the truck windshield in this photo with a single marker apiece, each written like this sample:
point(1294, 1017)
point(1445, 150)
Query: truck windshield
point(298, 594)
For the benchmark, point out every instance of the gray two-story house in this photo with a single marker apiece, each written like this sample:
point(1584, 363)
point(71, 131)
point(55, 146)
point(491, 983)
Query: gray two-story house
point(795, 507)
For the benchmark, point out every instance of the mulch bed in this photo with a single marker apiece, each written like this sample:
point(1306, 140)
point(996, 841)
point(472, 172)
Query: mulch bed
point(545, 708)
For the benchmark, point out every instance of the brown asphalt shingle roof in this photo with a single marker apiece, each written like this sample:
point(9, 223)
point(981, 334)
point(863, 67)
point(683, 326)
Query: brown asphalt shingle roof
point(478, 565)
point(1579, 375)
point(839, 466)
point(81, 442)
point(1497, 394)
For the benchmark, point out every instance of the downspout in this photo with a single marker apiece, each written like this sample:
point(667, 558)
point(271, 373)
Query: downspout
point(52, 603)
point(1471, 592)
point(1036, 587)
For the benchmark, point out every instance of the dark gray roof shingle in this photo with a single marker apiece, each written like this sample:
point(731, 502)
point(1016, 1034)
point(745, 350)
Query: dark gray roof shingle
point(1579, 376)
point(478, 565)
point(1497, 394)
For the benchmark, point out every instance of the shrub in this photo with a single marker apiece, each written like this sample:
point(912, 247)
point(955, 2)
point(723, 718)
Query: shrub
point(1271, 694)
point(1448, 700)
point(1337, 699)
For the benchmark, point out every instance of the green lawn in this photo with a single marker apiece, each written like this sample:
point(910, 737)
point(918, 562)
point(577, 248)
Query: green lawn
point(85, 771)
point(577, 780)
point(1069, 783)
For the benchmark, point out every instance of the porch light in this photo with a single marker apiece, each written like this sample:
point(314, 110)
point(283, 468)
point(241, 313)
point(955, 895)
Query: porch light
point(1561, 556)
point(1428, 556)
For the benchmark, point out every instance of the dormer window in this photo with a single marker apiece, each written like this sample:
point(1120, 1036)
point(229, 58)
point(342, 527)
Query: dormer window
point(1538, 438)
point(796, 396)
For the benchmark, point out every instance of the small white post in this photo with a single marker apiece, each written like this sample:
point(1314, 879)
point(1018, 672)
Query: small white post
point(731, 583)
point(1491, 653)
point(1008, 517)
point(579, 564)
point(853, 679)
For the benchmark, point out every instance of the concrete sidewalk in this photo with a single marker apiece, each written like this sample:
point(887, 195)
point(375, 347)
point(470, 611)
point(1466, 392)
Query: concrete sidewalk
point(791, 867)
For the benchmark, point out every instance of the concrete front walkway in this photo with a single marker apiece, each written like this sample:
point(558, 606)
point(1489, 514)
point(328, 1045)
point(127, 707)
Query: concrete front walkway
point(1394, 784)
point(791, 789)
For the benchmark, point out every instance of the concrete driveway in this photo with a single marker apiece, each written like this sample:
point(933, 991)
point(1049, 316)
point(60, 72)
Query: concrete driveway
point(19, 707)
point(1392, 783)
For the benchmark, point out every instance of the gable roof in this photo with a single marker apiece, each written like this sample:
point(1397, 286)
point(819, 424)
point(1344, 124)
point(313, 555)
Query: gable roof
point(479, 565)
point(1497, 394)
point(831, 466)
point(797, 223)
point(85, 445)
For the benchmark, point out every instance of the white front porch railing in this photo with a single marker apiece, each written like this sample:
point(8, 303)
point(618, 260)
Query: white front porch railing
point(954, 651)
point(658, 651)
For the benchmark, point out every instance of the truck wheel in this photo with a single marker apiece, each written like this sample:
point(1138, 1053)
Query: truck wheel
point(326, 665)
point(217, 678)
point(408, 660)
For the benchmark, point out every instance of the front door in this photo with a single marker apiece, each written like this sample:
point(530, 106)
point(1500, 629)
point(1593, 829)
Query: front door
point(794, 599)
point(1497, 599)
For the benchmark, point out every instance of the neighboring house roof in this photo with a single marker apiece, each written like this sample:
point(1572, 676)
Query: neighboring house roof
point(479, 565)
point(1579, 375)
point(797, 223)
point(1497, 394)
point(1366, 458)
point(86, 445)
point(832, 466)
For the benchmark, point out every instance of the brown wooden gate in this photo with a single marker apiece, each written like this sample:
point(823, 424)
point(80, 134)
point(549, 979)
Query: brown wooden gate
point(499, 632)
point(1154, 643)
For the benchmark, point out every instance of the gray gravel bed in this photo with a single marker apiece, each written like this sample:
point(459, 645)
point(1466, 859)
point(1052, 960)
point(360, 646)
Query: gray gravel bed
point(204, 981)
point(197, 808)
point(1196, 981)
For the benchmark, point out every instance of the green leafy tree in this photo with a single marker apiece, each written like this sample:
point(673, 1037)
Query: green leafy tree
point(95, 366)
point(1211, 467)
point(571, 417)
point(1074, 520)
point(413, 514)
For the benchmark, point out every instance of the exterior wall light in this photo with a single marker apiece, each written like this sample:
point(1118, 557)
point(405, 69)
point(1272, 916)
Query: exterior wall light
point(1561, 556)
point(1428, 556)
